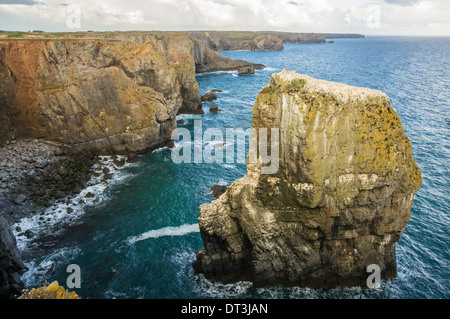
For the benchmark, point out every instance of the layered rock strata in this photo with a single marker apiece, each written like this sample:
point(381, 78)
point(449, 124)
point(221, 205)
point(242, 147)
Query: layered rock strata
point(255, 41)
point(338, 203)
point(106, 96)
point(220, 41)
point(208, 60)
point(106, 93)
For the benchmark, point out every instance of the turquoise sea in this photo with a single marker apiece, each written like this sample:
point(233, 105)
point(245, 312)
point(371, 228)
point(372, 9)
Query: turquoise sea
point(137, 238)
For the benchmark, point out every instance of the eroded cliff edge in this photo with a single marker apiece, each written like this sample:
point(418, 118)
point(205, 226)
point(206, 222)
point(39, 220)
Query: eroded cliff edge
point(103, 93)
point(339, 201)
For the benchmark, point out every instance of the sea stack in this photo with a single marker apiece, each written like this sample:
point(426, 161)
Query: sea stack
point(338, 203)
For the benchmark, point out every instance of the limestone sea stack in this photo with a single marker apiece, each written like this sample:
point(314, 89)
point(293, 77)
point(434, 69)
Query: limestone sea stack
point(338, 203)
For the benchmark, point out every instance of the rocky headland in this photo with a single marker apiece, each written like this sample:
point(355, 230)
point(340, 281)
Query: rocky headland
point(100, 95)
point(117, 94)
point(261, 40)
point(339, 201)
point(67, 98)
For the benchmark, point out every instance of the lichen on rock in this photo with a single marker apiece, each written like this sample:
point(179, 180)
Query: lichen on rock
point(49, 291)
point(339, 201)
point(114, 95)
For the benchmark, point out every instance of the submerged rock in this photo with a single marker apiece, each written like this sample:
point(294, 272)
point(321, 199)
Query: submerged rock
point(338, 203)
point(214, 109)
point(209, 97)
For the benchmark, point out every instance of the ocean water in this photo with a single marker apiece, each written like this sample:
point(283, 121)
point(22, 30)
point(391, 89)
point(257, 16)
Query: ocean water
point(137, 238)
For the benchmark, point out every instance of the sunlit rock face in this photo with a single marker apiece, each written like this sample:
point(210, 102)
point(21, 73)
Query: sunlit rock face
point(338, 203)
point(114, 95)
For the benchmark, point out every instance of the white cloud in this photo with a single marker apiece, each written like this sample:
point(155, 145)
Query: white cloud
point(396, 16)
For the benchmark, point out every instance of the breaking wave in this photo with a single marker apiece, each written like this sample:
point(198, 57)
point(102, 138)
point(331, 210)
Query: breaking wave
point(166, 231)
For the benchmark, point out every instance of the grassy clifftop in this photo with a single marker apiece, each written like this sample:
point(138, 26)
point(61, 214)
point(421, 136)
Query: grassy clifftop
point(227, 35)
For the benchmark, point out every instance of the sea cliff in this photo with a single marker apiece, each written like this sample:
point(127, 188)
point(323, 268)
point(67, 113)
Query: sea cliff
point(101, 95)
point(107, 93)
point(65, 98)
point(338, 203)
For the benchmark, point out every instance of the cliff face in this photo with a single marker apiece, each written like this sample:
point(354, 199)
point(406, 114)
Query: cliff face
point(248, 40)
point(208, 60)
point(10, 263)
point(305, 38)
point(220, 41)
point(103, 92)
point(339, 201)
point(104, 95)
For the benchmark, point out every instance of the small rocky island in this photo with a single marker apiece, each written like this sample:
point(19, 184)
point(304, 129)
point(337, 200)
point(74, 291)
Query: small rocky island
point(339, 202)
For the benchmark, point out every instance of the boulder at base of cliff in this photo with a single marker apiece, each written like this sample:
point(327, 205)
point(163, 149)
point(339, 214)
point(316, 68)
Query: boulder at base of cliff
point(337, 201)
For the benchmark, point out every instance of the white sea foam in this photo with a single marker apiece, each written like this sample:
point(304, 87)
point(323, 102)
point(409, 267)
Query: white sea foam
point(131, 293)
point(209, 289)
point(166, 231)
point(69, 210)
point(216, 72)
point(38, 271)
point(269, 69)
point(189, 117)
point(160, 149)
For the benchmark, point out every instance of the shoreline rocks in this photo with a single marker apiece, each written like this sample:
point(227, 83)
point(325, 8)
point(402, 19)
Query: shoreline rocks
point(112, 95)
point(35, 173)
point(209, 97)
point(339, 201)
point(214, 109)
point(11, 264)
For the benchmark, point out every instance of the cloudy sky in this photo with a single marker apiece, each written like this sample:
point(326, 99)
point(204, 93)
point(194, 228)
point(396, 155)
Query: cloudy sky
point(370, 17)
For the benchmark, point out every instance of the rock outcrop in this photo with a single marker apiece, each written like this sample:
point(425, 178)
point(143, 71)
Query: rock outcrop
point(103, 92)
point(214, 109)
point(264, 42)
point(208, 60)
point(226, 41)
point(104, 95)
point(209, 96)
point(11, 265)
point(246, 70)
point(339, 201)
point(34, 173)
point(255, 41)
point(305, 38)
